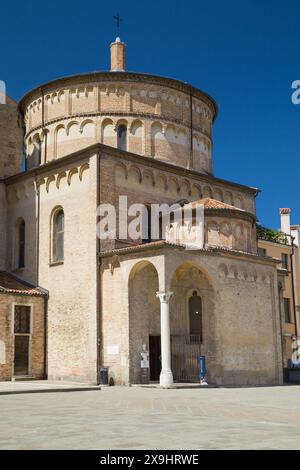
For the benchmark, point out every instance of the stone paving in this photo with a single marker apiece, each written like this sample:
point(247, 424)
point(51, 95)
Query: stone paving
point(150, 418)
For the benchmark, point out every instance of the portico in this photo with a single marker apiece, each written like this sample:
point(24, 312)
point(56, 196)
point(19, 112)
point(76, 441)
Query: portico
point(155, 287)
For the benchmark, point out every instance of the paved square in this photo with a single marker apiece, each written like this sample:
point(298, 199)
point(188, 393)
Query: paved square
point(141, 418)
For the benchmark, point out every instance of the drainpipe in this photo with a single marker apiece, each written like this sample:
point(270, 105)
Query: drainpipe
point(257, 192)
point(37, 231)
point(190, 164)
point(24, 156)
point(46, 337)
point(98, 278)
point(40, 142)
point(293, 286)
point(43, 126)
point(45, 135)
point(280, 294)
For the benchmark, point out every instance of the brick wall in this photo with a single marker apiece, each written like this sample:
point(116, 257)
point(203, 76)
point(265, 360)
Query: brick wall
point(146, 185)
point(72, 348)
point(11, 139)
point(7, 336)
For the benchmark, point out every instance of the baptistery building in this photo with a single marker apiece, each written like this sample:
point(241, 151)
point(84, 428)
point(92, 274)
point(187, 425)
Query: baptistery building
point(72, 302)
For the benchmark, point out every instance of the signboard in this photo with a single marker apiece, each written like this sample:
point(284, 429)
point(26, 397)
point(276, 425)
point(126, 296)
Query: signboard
point(113, 349)
point(145, 360)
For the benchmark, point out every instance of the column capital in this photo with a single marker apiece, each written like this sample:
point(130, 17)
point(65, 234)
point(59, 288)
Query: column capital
point(164, 297)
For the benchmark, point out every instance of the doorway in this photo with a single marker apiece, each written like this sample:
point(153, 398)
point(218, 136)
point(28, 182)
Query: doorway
point(155, 357)
point(22, 339)
point(21, 363)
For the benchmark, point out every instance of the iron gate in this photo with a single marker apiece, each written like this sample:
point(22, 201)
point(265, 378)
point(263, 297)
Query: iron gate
point(186, 350)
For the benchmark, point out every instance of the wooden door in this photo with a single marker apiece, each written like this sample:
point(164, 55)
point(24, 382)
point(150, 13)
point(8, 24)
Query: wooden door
point(155, 357)
point(21, 360)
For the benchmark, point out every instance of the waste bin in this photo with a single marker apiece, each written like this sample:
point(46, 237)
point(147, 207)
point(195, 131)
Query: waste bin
point(104, 376)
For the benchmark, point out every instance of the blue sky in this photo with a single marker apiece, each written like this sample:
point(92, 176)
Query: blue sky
point(245, 54)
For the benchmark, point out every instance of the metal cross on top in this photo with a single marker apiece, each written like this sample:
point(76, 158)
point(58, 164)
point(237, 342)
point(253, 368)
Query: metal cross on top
point(118, 20)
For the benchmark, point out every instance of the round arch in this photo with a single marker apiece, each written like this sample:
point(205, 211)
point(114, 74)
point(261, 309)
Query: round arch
point(190, 264)
point(144, 313)
point(189, 277)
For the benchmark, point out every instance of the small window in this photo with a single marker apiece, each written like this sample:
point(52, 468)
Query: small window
point(285, 261)
point(34, 156)
point(195, 315)
point(21, 245)
point(22, 319)
point(37, 153)
point(262, 252)
point(58, 236)
point(147, 224)
point(122, 137)
point(287, 310)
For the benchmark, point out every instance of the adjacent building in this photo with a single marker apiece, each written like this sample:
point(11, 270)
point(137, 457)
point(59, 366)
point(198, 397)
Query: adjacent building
point(284, 246)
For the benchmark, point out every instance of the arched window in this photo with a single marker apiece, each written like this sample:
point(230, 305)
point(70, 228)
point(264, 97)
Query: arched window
point(195, 315)
point(34, 148)
point(21, 244)
point(37, 150)
point(58, 236)
point(122, 137)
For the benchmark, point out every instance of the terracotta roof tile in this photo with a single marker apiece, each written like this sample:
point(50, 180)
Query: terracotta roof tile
point(12, 285)
point(215, 204)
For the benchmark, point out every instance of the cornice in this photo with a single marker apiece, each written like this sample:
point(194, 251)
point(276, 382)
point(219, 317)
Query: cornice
point(179, 170)
point(130, 77)
point(153, 117)
point(210, 251)
point(274, 244)
point(53, 164)
point(107, 151)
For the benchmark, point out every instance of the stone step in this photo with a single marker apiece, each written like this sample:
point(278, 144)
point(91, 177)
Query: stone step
point(21, 378)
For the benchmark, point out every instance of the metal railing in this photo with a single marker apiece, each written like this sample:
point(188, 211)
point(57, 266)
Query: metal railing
point(186, 350)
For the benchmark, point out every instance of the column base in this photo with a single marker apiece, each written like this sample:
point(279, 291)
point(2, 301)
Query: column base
point(166, 379)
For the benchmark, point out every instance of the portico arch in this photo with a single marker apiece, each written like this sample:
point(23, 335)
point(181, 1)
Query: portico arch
point(144, 313)
point(192, 318)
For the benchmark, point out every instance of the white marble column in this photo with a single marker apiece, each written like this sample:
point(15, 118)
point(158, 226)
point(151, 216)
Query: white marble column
point(166, 376)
